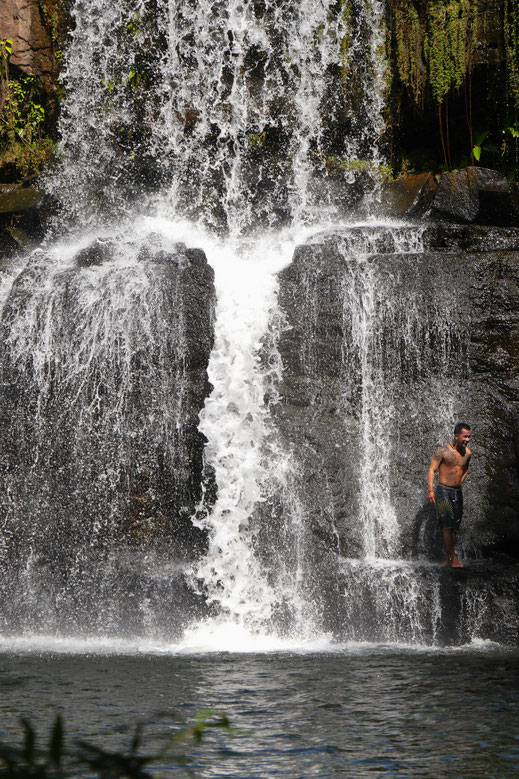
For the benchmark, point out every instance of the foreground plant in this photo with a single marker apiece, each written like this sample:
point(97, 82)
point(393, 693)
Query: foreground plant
point(85, 759)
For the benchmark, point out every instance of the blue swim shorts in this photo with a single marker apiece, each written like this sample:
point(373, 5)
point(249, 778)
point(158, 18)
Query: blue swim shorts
point(449, 507)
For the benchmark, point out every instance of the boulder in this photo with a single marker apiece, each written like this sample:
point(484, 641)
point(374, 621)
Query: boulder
point(476, 195)
point(103, 459)
point(409, 196)
point(392, 336)
point(20, 218)
point(381, 333)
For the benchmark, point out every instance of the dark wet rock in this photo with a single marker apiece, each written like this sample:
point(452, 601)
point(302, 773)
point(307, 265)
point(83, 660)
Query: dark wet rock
point(448, 600)
point(464, 590)
point(109, 433)
point(20, 218)
point(321, 386)
point(8, 245)
point(96, 254)
point(472, 238)
point(473, 195)
point(446, 325)
point(478, 195)
point(411, 196)
point(15, 199)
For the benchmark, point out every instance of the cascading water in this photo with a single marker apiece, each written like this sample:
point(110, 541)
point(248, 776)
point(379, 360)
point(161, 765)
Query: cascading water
point(97, 407)
point(217, 108)
point(201, 124)
point(375, 362)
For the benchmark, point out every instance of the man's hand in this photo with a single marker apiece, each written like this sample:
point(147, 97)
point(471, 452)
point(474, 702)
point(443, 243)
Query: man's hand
point(430, 496)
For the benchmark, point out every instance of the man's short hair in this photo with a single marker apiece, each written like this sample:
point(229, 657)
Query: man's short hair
point(461, 426)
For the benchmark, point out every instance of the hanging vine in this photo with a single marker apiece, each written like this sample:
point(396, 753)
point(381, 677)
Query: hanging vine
point(511, 36)
point(449, 43)
point(435, 44)
point(409, 44)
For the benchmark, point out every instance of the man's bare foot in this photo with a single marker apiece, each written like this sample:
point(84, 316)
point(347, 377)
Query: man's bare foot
point(447, 561)
point(456, 563)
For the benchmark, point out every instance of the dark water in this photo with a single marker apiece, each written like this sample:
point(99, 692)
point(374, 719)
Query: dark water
point(358, 712)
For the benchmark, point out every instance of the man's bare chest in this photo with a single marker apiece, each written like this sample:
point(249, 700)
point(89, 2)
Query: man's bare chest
point(454, 459)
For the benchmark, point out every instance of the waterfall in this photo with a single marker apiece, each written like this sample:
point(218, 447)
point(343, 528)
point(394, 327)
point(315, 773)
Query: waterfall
point(145, 496)
point(97, 395)
point(216, 109)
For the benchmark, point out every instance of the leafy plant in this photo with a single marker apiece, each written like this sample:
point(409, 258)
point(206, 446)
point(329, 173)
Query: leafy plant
point(22, 118)
point(483, 144)
point(59, 762)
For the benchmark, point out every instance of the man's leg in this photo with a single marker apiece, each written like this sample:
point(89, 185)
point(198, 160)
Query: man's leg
point(449, 538)
point(448, 541)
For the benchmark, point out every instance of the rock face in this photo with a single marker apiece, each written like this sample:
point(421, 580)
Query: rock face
point(471, 196)
point(36, 31)
point(381, 337)
point(23, 22)
point(478, 195)
point(104, 355)
point(20, 218)
point(393, 336)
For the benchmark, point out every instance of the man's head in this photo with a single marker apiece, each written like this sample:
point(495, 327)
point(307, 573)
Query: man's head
point(461, 436)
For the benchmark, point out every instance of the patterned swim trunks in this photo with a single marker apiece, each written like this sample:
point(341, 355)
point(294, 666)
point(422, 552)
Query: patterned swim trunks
point(449, 507)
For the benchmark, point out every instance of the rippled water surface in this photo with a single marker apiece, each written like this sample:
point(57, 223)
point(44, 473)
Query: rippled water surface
point(358, 711)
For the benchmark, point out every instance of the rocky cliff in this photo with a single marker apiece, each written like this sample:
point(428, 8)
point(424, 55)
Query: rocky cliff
point(104, 352)
point(383, 343)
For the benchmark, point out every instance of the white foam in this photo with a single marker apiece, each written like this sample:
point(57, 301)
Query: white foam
point(223, 637)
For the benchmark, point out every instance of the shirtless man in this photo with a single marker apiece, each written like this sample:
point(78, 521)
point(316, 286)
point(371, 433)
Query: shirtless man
point(453, 461)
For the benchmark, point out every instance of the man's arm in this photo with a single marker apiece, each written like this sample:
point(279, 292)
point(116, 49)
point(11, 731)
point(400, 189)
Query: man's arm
point(466, 467)
point(433, 467)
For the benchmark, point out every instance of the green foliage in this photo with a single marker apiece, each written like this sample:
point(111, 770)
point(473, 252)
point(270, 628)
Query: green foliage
point(134, 25)
point(513, 129)
point(134, 78)
point(435, 44)
point(409, 41)
point(482, 143)
point(374, 170)
point(449, 44)
point(53, 20)
point(345, 32)
point(257, 139)
point(6, 49)
point(57, 761)
point(511, 37)
point(22, 116)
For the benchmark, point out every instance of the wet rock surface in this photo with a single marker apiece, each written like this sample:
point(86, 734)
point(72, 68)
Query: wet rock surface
point(102, 459)
point(443, 326)
point(478, 195)
point(20, 218)
point(321, 412)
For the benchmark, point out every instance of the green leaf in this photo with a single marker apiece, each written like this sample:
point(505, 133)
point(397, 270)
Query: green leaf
point(28, 742)
point(476, 151)
point(480, 137)
point(56, 741)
